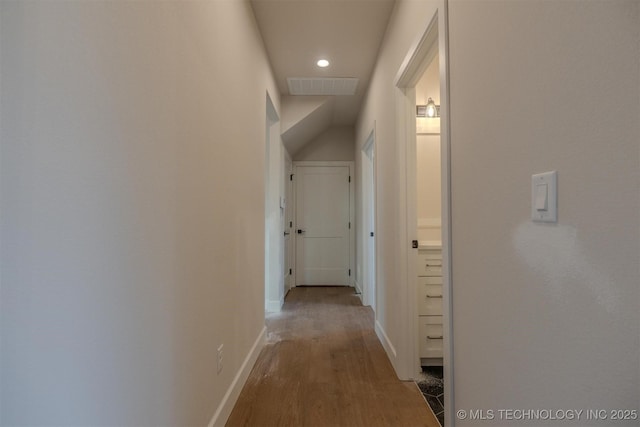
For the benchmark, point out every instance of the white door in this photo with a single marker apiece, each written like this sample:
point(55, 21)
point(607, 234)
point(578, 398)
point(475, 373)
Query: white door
point(322, 225)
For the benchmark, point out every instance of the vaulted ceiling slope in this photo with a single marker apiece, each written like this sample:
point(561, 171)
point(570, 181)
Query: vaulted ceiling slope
point(348, 33)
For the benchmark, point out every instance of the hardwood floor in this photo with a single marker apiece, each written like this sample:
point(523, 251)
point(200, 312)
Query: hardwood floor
point(324, 366)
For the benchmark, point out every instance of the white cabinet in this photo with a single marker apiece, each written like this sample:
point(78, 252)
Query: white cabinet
point(430, 303)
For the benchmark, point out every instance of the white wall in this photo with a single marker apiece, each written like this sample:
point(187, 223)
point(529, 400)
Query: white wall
point(274, 248)
point(379, 111)
point(304, 118)
point(428, 187)
point(132, 188)
point(545, 316)
point(548, 310)
point(334, 144)
point(429, 84)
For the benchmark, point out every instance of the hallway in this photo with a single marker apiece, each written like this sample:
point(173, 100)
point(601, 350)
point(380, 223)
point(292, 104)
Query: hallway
point(323, 365)
point(143, 185)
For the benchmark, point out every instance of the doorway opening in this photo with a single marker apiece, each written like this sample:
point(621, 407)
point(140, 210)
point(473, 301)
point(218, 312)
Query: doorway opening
point(426, 208)
point(428, 212)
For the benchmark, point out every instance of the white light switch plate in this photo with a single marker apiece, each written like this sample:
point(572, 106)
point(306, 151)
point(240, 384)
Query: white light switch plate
point(544, 184)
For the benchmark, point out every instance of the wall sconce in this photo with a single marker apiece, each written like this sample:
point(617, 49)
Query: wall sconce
point(430, 110)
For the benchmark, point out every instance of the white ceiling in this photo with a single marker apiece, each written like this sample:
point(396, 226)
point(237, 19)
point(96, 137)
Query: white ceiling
point(348, 33)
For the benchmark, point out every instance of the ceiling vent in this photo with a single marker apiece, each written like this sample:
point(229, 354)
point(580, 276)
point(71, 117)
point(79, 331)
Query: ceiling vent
point(322, 85)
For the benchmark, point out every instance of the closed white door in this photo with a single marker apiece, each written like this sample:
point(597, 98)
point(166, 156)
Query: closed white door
point(322, 225)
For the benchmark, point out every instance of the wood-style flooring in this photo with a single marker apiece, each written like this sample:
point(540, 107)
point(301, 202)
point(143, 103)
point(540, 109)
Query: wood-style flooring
point(324, 366)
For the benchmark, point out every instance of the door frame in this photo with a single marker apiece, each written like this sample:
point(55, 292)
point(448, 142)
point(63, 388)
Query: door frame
point(289, 214)
point(435, 33)
point(273, 242)
point(370, 272)
point(352, 252)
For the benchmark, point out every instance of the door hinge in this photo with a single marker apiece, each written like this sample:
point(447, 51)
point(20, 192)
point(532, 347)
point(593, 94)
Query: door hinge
point(349, 178)
point(414, 244)
point(349, 272)
point(291, 177)
point(290, 224)
point(349, 225)
point(290, 272)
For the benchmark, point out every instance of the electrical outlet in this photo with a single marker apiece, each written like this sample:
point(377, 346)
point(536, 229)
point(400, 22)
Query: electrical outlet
point(220, 358)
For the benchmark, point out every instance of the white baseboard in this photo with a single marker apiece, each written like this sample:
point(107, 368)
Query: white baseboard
point(231, 396)
point(358, 289)
point(274, 306)
point(386, 344)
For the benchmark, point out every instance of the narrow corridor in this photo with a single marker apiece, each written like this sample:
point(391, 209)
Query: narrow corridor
point(324, 366)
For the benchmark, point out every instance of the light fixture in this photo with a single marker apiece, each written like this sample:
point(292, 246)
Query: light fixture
point(322, 63)
point(431, 110)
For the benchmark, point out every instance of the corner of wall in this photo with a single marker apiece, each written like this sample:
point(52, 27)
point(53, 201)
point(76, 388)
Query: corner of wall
point(274, 306)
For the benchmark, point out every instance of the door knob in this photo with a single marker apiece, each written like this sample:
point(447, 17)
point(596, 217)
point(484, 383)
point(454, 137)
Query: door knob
point(286, 233)
point(301, 231)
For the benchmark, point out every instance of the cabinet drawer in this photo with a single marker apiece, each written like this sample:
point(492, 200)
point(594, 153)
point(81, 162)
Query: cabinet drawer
point(430, 331)
point(429, 297)
point(430, 263)
point(430, 267)
point(434, 254)
point(430, 280)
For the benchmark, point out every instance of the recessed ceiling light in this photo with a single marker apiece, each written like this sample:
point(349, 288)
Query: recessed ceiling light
point(322, 63)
